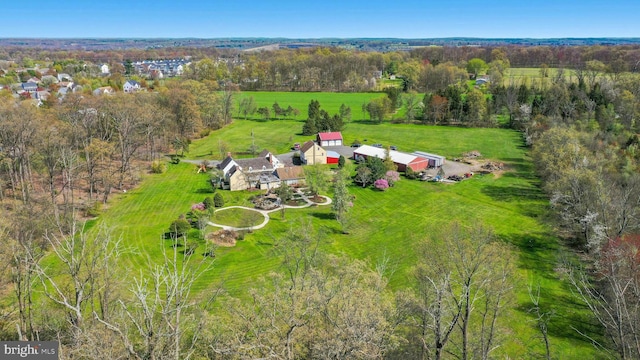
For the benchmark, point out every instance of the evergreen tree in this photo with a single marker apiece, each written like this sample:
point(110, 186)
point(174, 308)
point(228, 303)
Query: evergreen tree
point(309, 127)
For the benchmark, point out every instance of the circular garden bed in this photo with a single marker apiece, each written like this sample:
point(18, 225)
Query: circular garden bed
point(236, 217)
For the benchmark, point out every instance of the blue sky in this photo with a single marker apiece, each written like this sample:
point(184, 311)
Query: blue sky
point(320, 19)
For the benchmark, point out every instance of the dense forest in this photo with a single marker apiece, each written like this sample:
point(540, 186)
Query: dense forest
point(60, 162)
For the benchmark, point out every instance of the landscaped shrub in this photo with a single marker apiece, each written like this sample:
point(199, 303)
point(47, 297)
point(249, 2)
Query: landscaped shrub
point(208, 203)
point(179, 227)
point(381, 184)
point(218, 200)
point(341, 161)
point(410, 174)
point(158, 167)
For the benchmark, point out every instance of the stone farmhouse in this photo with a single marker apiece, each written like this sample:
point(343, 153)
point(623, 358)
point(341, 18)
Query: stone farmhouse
point(263, 172)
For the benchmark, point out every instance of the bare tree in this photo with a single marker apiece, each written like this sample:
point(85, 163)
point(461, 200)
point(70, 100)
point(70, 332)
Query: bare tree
point(542, 318)
point(613, 294)
point(162, 313)
point(83, 258)
point(464, 271)
point(127, 117)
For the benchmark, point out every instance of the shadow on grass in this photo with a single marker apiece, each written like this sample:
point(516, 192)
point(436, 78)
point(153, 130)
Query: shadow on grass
point(513, 193)
point(207, 190)
point(367, 122)
point(323, 216)
point(538, 253)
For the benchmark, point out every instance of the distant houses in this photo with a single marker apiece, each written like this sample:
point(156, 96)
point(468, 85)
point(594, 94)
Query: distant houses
point(163, 68)
point(131, 86)
point(104, 90)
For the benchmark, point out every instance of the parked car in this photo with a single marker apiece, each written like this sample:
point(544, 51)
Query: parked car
point(393, 147)
point(296, 146)
point(355, 145)
point(377, 145)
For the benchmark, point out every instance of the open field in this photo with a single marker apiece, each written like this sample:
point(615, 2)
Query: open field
point(388, 224)
point(279, 135)
point(330, 102)
point(532, 76)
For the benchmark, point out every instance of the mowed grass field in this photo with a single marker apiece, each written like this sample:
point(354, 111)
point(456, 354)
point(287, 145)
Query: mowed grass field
point(388, 225)
point(532, 76)
point(330, 102)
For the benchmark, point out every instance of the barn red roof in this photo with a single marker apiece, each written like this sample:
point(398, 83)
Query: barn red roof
point(330, 136)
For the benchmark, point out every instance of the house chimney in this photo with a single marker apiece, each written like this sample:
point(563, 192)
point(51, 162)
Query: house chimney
point(229, 154)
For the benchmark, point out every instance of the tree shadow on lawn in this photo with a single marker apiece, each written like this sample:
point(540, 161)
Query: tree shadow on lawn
point(537, 252)
point(513, 193)
point(539, 255)
point(367, 122)
point(568, 318)
point(323, 216)
point(208, 190)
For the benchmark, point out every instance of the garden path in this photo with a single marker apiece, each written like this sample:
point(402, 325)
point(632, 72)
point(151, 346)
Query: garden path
point(265, 213)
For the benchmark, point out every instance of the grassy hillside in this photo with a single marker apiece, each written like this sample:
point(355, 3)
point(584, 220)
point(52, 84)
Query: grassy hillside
point(388, 224)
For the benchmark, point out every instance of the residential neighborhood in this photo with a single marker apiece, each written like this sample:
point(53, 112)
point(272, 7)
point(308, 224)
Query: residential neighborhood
point(45, 83)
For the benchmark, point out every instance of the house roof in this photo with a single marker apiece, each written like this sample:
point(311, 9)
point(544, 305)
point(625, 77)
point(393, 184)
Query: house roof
point(306, 146)
point(133, 82)
point(264, 153)
point(332, 154)
point(396, 156)
point(330, 136)
point(254, 164)
point(290, 173)
point(30, 85)
point(225, 162)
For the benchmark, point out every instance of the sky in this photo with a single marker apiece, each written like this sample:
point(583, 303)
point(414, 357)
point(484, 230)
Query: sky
point(319, 19)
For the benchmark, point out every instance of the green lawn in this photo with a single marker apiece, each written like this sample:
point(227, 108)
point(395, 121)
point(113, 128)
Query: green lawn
point(300, 100)
point(532, 76)
point(237, 217)
point(388, 224)
point(279, 135)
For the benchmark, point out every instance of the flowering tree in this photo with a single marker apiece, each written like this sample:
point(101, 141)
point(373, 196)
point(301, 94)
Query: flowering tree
point(198, 206)
point(381, 184)
point(392, 176)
